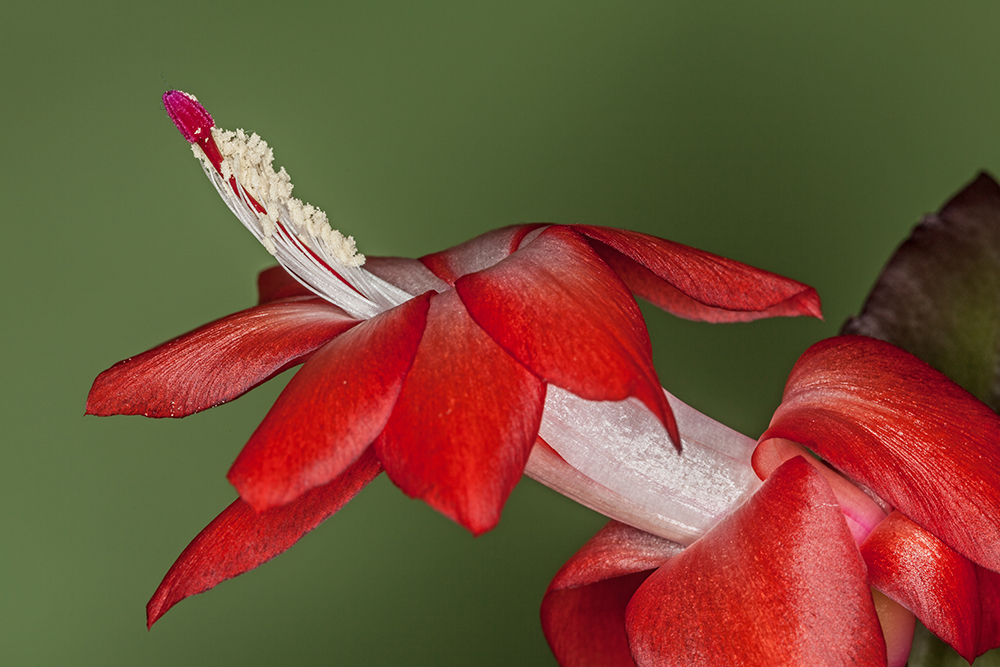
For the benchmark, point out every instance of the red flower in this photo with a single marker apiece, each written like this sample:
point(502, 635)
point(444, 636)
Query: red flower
point(780, 580)
point(436, 370)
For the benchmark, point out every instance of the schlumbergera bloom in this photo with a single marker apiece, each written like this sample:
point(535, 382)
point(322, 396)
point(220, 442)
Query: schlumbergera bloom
point(522, 350)
point(780, 580)
point(905, 502)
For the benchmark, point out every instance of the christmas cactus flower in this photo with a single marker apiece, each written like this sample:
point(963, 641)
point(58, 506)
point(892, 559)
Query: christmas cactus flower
point(781, 580)
point(917, 483)
point(452, 372)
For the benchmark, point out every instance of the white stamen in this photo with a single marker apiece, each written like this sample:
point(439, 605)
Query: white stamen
point(297, 234)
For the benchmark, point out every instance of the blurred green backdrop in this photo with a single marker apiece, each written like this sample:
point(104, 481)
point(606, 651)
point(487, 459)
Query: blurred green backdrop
point(803, 137)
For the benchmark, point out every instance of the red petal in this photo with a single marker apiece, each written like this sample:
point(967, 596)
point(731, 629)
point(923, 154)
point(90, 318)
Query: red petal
point(476, 254)
point(583, 613)
point(331, 410)
point(556, 307)
point(240, 539)
point(465, 421)
point(778, 582)
point(920, 572)
point(989, 600)
point(698, 285)
point(896, 425)
point(276, 283)
point(585, 626)
point(217, 362)
point(616, 550)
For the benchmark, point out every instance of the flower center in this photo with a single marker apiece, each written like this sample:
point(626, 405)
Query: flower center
point(297, 234)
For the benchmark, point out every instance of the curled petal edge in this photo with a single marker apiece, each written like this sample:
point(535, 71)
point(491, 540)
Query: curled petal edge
point(891, 422)
point(698, 285)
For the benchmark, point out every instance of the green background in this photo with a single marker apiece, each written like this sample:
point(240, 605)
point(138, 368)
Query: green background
point(802, 137)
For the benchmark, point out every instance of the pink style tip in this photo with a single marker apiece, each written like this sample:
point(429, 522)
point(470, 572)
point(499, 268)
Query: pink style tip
point(188, 115)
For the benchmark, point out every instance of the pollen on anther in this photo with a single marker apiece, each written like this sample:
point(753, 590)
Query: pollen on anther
point(188, 115)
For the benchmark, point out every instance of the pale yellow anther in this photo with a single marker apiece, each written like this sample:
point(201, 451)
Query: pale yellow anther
point(250, 160)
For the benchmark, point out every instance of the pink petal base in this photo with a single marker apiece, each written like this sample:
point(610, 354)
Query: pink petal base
point(897, 623)
point(862, 513)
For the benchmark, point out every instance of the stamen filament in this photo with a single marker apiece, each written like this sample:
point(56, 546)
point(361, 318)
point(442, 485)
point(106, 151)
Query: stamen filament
point(297, 234)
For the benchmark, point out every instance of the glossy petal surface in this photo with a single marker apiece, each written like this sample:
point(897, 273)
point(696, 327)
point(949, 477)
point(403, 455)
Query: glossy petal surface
point(217, 362)
point(891, 422)
point(476, 254)
point(583, 613)
point(331, 410)
point(778, 582)
point(698, 285)
point(556, 307)
point(465, 421)
point(240, 539)
point(916, 569)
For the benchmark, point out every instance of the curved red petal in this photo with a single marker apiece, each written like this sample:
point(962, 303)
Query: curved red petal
point(476, 254)
point(276, 283)
point(585, 627)
point(240, 539)
point(217, 362)
point(465, 421)
point(331, 410)
point(920, 572)
point(556, 307)
point(893, 423)
point(583, 612)
point(698, 285)
point(778, 582)
point(615, 551)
